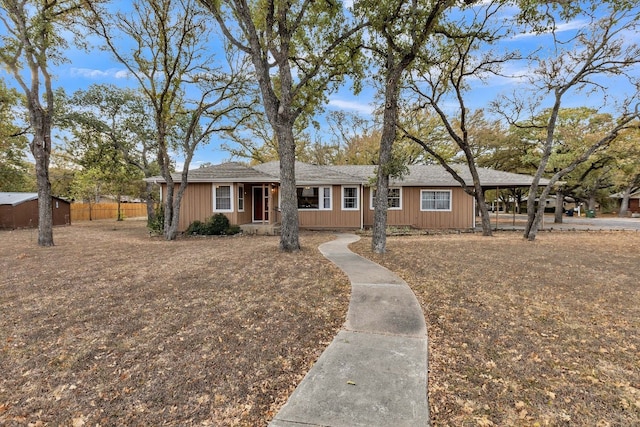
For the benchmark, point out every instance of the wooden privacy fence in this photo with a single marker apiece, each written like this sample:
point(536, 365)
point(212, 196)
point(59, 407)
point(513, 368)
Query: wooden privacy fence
point(80, 211)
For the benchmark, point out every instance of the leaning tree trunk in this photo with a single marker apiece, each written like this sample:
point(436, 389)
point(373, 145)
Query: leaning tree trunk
point(534, 220)
point(531, 214)
point(624, 202)
point(479, 194)
point(538, 216)
point(177, 199)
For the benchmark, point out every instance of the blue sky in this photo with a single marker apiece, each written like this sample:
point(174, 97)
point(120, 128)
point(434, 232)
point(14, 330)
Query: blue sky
point(97, 67)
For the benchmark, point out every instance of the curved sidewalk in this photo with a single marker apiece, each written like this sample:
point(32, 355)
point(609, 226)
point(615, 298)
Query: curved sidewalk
point(374, 372)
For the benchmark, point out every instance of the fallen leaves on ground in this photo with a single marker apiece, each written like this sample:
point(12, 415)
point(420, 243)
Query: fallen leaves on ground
point(542, 333)
point(113, 327)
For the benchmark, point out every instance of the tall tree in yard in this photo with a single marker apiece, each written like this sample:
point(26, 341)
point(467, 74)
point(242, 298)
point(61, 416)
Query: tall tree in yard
point(576, 128)
point(192, 93)
point(589, 61)
point(118, 118)
point(300, 50)
point(442, 79)
point(399, 32)
point(31, 44)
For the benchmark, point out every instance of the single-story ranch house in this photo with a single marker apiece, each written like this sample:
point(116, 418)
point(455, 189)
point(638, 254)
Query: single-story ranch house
point(334, 197)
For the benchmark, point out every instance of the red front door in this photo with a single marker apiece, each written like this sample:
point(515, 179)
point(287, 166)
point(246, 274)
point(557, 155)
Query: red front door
point(260, 204)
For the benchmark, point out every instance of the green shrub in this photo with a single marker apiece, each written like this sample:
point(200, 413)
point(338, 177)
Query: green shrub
point(196, 227)
point(233, 229)
point(218, 224)
point(215, 226)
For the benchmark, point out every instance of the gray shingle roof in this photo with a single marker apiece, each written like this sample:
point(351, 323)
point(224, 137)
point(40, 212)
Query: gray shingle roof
point(15, 199)
point(307, 174)
point(311, 174)
point(224, 172)
point(437, 176)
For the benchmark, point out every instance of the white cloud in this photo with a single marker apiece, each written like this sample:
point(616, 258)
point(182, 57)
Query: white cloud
point(89, 73)
point(352, 105)
point(122, 74)
point(576, 24)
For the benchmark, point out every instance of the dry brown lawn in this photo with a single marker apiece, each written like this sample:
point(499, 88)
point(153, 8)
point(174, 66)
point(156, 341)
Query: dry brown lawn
point(112, 327)
point(527, 334)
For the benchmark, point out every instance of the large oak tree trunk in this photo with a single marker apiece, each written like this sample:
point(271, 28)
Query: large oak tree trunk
point(559, 212)
point(41, 150)
point(289, 237)
point(45, 208)
point(173, 228)
point(390, 117)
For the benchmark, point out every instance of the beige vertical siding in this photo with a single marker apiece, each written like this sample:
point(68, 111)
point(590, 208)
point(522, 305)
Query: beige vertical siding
point(197, 204)
point(460, 216)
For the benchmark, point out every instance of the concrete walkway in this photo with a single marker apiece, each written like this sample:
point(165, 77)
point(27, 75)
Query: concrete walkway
point(374, 372)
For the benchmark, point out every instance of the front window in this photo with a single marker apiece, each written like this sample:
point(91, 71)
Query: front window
point(314, 198)
point(222, 198)
point(435, 200)
point(350, 198)
point(394, 198)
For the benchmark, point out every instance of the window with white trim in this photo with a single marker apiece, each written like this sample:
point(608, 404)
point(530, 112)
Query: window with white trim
point(350, 198)
point(222, 198)
point(240, 197)
point(394, 198)
point(314, 198)
point(435, 200)
point(325, 193)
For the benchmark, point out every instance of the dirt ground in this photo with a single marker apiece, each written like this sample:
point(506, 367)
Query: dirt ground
point(114, 327)
point(527, 333)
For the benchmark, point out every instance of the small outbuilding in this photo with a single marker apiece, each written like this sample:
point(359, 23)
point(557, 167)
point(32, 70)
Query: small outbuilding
point(20, 210)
